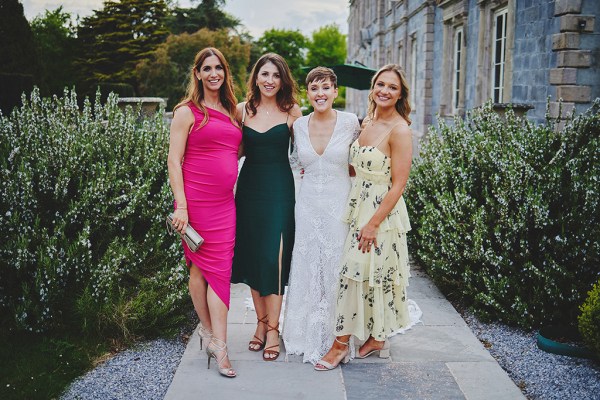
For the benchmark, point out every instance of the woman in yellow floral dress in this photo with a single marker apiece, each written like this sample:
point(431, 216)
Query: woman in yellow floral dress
point(372, 300)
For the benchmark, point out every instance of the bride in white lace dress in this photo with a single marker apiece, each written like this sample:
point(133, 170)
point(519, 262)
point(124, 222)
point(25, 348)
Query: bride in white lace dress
point(321, 150)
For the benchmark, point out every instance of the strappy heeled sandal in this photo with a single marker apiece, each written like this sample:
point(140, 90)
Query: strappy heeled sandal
point(384, 352)
point(323, 365)
point(258, 342)
point(267, 351)
point(218, 346)
point(205, 334)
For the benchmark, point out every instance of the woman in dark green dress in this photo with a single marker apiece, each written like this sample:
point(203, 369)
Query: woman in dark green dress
point(265, 196)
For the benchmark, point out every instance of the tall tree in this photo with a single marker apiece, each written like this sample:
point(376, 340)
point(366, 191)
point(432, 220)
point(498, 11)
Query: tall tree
point(18, 63)
point(290, 44)
point(207, 14)
point(16, 40)
point(117, 37)
point(166, 72)
point(55, 40)
point(327, 47)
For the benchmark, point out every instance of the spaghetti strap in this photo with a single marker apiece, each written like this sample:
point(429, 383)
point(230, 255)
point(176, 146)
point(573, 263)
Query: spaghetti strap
point(244, 113)
point(387, 134)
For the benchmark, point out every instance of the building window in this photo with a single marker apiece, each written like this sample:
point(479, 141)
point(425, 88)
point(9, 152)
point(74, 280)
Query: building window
point(457, 70)
point(401, 56)
point(499, 55)
point(413, 69)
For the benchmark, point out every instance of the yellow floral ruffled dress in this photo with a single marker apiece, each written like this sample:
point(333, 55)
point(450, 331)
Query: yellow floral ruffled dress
point(372, 296)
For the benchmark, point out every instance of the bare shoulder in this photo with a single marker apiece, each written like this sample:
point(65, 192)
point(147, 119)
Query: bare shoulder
point(401, 132)
point(365, 122)
point(295, 111)
point(239, 111)
point(183, 114)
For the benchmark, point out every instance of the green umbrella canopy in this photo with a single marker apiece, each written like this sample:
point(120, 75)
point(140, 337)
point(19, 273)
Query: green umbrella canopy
point(350, 75)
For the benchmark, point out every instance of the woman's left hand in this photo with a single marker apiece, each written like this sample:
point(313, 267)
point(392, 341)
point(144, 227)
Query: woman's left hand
point(367, 237)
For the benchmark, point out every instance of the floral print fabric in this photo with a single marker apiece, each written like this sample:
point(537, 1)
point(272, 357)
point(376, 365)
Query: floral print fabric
point(372, 297)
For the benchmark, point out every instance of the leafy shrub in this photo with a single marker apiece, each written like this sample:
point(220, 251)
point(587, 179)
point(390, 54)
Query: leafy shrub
point(507, 213)
point(120, 89)
point(83, 195)
point(589, 320)
point(11, 87)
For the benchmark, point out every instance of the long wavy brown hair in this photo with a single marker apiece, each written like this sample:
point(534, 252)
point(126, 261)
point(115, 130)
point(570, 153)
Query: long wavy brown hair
point(288, 92)
point(195, 90)
point(403, 103)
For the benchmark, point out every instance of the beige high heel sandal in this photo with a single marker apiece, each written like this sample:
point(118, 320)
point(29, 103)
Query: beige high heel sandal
point(212, 352)
point(204, 334)
point(323, 365)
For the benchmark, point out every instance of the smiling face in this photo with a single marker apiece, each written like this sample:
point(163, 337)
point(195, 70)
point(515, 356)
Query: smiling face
point(268, 80)
point(321, 94)
point(211, 74)
point(387, 89)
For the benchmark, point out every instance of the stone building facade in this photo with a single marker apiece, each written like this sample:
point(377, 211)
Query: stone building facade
point(458, 54)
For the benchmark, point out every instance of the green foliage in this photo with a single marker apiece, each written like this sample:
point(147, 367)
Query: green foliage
point(507, 213)
point(327, 47)
point(55, 40)
point(83, 194)
point(117, 37)
point(290, 44)
point(589, 320)
point(16, 40)
point(12, 87)
point(41, 366)
point(166, 72)
point(207, 14)
point(18, 63)
point(120, 89)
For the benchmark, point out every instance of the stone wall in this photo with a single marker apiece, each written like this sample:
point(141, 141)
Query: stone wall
point(576, 45)
point(552, 51)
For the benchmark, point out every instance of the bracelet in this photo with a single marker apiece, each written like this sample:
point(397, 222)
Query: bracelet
point(181, 208)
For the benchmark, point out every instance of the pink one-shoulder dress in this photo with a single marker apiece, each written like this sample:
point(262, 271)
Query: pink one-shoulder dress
point(210, 167)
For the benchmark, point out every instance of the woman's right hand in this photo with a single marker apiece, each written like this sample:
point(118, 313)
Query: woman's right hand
point(180, 219)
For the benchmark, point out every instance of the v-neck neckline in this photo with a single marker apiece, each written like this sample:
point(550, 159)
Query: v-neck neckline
point(337, 118)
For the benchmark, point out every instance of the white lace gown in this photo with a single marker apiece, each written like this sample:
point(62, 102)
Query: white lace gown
point(320, 236)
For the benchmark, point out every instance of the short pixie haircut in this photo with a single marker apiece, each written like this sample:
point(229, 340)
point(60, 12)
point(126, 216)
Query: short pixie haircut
point(319, 74)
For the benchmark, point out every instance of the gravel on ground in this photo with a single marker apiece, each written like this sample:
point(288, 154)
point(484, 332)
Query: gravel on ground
point(539, 374)
point(145, 371)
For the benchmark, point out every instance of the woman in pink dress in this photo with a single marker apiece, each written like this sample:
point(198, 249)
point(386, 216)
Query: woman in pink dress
point(202, 161)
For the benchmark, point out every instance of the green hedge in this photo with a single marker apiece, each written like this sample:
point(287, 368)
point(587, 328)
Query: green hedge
point(120, 89)
point(12, 87)
point(83, 194)
point(506, 214)
point(589, 320)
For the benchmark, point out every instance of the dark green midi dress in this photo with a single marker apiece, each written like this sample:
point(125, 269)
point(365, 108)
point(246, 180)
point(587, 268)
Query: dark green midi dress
point(265, 212)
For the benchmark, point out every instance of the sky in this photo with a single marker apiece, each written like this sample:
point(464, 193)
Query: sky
point(256, 15)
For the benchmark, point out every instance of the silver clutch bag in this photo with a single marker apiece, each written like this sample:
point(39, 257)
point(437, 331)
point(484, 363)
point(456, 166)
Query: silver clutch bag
point(191, 237)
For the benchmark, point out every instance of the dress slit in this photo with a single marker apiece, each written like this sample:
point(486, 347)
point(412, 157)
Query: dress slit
point(280, 263)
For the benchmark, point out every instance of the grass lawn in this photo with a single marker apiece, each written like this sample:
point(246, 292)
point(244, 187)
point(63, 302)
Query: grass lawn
point(41, 366)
